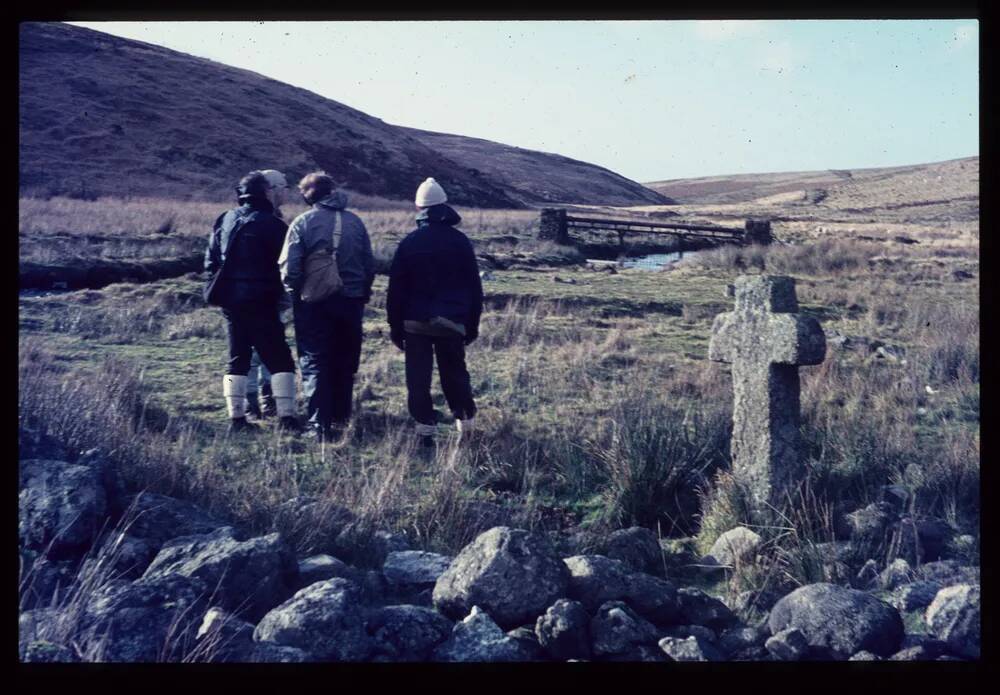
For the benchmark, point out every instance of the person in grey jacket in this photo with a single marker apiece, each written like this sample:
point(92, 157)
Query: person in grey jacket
point(328, 332)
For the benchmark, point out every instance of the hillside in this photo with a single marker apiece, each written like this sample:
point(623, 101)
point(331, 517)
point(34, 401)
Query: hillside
point(953, 180)
point(539, 177)
point(101, 115)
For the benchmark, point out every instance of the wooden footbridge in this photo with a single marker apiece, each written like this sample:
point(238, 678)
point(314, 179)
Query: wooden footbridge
point(556, 225)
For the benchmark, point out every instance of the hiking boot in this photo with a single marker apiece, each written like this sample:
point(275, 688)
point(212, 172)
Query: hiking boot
point(289, 424)
point(240, 425)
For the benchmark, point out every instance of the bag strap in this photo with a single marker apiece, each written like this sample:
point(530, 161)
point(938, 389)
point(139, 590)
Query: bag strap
point(334, 239)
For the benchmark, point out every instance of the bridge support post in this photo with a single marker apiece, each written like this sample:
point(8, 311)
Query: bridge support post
point(552, 225)
point(758, 232)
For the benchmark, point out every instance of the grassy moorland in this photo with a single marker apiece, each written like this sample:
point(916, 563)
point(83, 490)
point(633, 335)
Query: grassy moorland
point(599, 408)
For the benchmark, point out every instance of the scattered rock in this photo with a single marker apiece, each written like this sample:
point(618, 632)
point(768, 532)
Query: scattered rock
point(567, 281)
point(616, 629)
point(914, 596)
point(734, 547)
point(414, 568)
point(563, 631)
point(249, 578)
point(33, 444)
point(41, 652)
point(324, 620)
point(653, 598)
point(865, 656)
point(267, 653)
point(637, 548)
point(954, 617)
point(947, 572)
point(512, 574)
point(595, 579)
point(838, 621)
point(788, 645)
point(934, 536)
point(319, 567)
point(158, 519)
point(698, 608)
point(690, 649)
point(224, 638)
point(407, 633)
point(738, 642)
point(478, 638)
point(528, 641)
point(153, 619)
point(685, 631)
point(897, 573)
point(868, 576)
point(61, 507)
point(43, 581)
point(919, 653)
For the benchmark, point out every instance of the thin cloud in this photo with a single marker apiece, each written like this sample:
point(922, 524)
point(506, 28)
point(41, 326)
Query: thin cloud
point(721, 29)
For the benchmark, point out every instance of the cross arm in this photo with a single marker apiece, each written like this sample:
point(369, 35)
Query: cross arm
point(722, 346)
point(795, 339)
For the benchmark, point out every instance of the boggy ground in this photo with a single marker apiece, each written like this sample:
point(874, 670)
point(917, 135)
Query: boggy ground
point(599, 409)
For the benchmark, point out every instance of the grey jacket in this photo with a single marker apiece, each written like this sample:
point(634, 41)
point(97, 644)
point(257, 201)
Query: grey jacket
point(313, 229)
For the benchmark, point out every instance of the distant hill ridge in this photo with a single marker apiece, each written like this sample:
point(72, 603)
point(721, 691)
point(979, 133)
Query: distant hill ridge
point(947, 180)
point(102, 115)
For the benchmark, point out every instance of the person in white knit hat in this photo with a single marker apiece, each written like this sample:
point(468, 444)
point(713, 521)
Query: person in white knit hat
point(434, 302)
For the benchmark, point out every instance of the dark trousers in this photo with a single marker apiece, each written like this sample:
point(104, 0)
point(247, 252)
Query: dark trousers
point(450, 352)
point(250, 326)
point(328, 334)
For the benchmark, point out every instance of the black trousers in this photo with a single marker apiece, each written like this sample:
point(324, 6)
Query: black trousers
point(328, 334)
point(450, 352)
point(250, 326)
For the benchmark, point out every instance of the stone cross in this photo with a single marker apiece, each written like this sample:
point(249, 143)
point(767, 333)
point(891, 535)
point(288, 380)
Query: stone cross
point(766, 341)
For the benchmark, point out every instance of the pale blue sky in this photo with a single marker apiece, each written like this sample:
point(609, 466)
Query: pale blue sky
point(651, 100)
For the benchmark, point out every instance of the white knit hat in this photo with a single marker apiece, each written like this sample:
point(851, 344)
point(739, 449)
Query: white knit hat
point(275, 178)
point(430, 193)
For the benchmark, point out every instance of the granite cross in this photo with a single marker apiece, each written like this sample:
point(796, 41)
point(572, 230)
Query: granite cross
point(766, 341)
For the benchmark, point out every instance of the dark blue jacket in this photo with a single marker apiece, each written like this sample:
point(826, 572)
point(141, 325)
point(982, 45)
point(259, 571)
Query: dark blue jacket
point(243, 249)
point(434, 273)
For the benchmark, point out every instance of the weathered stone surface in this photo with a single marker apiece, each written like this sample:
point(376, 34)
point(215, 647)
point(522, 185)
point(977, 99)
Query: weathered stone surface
point(414, 568)
point(871, 527)
point(653, 598)
point(324, 620)
point(788, 645)
point(954, 617)
point(158, 518)
point(690, 649)
point(839, 622)
point(107, 473)
point(700, 631)
point(41, 652)
point(897, 573)
point(735, 546)
point(698, 608)
point(528, 641)
point(918, 653)
point(865, 656)
point(386, 542)
point(152, 619)
point(914, 596)
point(224, 638)
point(564, 631)
point(766, 342)
point(249, 577)
point(616, 629)
point(478, 638)
point(595, 579)
point(267, 653)
point(42, 580)
point(741, 641)
point(36, 625)
point(638, 652)
point(948, 572)
point(512, 574)
point(867, 576)
point(61, 507)
point(407, 633)
point(319, 567)
point(637, 548)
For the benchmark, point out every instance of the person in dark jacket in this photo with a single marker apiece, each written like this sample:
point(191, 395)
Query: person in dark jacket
point(434, 302)
point(242, 260)
point(328, 332)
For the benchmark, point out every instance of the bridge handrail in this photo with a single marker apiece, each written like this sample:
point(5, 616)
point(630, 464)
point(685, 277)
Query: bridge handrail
point(657, 225)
